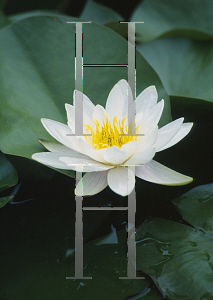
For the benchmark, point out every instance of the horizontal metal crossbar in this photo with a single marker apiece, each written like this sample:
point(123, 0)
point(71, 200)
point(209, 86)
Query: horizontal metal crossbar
point(105, 65)
point(131, 277)
point(105, 208)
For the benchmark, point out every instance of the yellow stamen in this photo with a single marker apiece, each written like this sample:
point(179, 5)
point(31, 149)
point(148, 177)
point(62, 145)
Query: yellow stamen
point(110, 135)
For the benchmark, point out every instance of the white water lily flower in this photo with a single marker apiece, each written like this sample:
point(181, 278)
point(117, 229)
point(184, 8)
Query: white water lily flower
point(105, 155)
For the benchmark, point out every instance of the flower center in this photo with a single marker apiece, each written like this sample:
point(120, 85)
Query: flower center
point(108, 135)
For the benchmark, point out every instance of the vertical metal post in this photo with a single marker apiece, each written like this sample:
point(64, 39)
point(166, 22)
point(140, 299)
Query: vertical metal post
point(131, 255)
point(131, 76)
point(78, 131)
point(78, 80)
point(78, 233)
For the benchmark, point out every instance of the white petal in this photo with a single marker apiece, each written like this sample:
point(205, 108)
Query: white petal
point(93, 183)
point(51, 125)
point(130, 147)
point(88, 106)
point(149, 120)
point(98, 114)
point(148, 140)
point(146, 99)
point(56, 147)
point(115, 155)
point(117, 101)
point(51, 159)
point(127, 96)
point(84, 164)
point(61, 133)
point(97, 155)
point(70, 113)
point(142, 157)
point(139, 119)
point(167, 132)
point(71, 118)
point(183, 131)
point(71, 141)
point(157, 173)
point(121, 180)
point(153, 116)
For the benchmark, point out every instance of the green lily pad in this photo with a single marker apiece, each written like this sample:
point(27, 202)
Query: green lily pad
point(174, 18)
point(98, 13)
point(18, 17)
point(120, 28)
point(5, 200)
point(8, 174)
point(196, 207)
point(177, 257)
point(184, 66)
point(37, 76)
